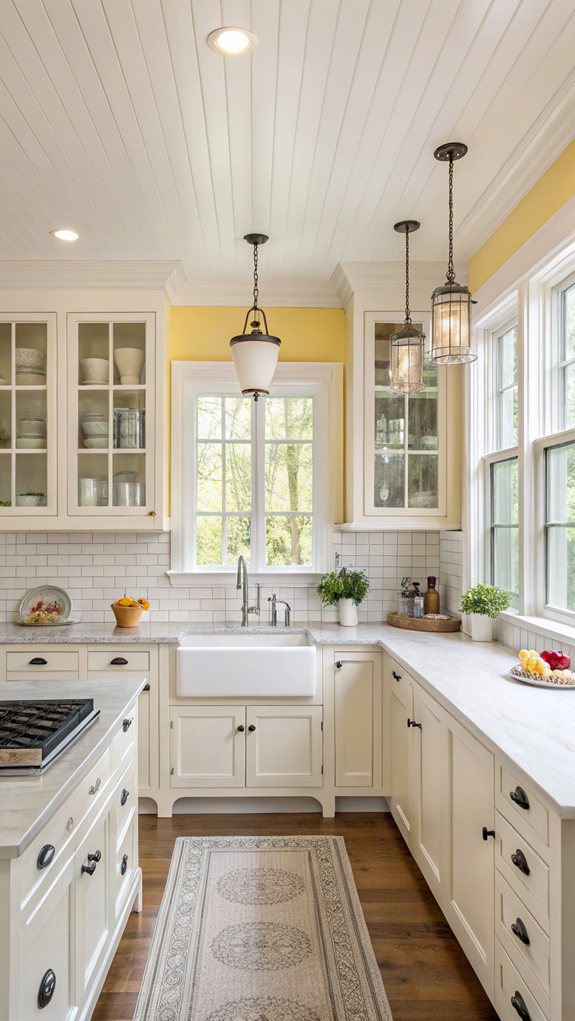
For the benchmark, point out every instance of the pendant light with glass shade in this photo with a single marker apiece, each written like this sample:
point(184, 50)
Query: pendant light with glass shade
point(451, 303)
point(406, 346)
point(255, 354)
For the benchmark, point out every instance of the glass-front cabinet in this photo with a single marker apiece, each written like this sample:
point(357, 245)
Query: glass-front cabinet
point(28, 420)
point(111, 434)
point(410, 442)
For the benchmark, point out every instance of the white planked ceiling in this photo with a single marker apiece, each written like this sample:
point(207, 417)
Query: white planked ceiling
point(116, 118)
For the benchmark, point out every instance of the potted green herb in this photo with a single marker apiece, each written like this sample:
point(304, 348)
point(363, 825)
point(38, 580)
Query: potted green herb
point(346, 588)
point(482, 604)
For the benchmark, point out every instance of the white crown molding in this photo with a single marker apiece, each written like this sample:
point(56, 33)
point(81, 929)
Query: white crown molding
point(378, 282)
point(60, 274)
point(236, 292)
point(546, 139)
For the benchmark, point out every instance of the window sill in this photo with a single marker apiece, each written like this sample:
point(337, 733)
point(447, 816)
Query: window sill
point(293, 579)
point(552, 628)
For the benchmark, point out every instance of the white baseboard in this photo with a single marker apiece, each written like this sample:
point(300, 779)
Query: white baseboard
point(263, 806)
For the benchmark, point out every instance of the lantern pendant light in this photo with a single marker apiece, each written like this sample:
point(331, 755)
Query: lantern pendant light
point(255, 354)
point(406, 346)
point(451, 303)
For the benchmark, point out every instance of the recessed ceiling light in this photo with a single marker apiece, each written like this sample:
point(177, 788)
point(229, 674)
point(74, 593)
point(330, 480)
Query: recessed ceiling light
point(231, 41)
point(65, 234)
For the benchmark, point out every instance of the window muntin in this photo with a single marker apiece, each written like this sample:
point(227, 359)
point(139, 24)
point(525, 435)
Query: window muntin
point(506, 388)
point(566, 356)
point(504, 526)
point(560, 527)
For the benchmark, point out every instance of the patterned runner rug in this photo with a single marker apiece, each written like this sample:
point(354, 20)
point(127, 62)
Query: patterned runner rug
point(261, 929)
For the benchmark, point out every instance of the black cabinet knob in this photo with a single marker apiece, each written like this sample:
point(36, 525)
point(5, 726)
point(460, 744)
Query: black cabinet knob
point(124, 865)
point(118, 661)
point(126, 724)
point(45, 856)
point(96, 856)
point(38, 661)
point(520, 798)
point(518, 1004)
point(338, 664)
point(146, 687)
point(413, 723)
point(518, 929)
point(520, 862)
point(485, 833)
point(241, 728)
point(395, 675)
point(93, 860)
point(46, 988)
point(251, 728)
point(124, 796)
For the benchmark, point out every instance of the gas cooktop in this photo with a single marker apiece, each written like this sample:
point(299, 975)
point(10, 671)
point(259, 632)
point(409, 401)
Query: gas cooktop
point(34, 732)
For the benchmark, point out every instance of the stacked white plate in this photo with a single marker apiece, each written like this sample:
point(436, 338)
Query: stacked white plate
point(31, 434)
point(30, 367)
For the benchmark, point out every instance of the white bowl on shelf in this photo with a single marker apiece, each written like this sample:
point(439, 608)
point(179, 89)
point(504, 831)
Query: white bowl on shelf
point(30, 358)
point(30, 377)
point(32, 427)
point(94, 370)
point(95, 427)
point(129, 362)
point(96, 442)
point(31, 442)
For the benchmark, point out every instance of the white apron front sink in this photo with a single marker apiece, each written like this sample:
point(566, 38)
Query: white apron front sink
point(246, 666)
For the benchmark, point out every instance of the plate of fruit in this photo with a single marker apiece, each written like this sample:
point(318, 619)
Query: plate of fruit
point(547, 669)
point(45, 607)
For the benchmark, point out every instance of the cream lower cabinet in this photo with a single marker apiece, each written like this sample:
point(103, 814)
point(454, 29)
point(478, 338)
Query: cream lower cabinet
point(245, 746)
point(357, 709)
point(47, 950)
point(400, 702)
point(92, 903)
point(429, 736)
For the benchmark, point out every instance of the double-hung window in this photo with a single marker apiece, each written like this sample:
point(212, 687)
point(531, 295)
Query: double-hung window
point(257, 479)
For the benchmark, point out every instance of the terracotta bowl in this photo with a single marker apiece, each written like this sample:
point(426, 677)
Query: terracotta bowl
point(127, 616)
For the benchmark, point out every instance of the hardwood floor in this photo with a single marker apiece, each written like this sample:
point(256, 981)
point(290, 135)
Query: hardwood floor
point(426, 974)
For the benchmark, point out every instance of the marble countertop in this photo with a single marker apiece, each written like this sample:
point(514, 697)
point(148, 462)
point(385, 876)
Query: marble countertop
point(28, 802)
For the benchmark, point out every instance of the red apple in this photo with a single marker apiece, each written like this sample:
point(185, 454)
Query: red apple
point(556, 660)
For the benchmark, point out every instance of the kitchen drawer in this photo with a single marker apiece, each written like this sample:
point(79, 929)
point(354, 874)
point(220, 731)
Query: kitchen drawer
point(532, 888)
point(112, 661)
point(401, 682)
point(125, 863)
point(125, 740)
point(510, 988)
point(39, 662)
point(524, 809)
point(60, 829)
point(532, 958)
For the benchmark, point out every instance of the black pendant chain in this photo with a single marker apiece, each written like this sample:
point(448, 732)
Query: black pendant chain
point(256, 320)
point(450, 268)
point(407, 310)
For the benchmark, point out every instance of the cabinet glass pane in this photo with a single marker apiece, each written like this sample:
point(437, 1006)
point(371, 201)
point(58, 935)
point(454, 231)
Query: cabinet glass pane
point(5, 354)
point(129, 432)
point(422, 480)
point(93, 420)
point(5, 479)
point(31, 479)
point(31, 420)
point(389, 480)
point(93, 354)
point(30, 354)
point(128, 480)
point(422, 416)
point(382, 357)
point(389, 421)
point(5, 419)
point(93, 488)
point(129, 348)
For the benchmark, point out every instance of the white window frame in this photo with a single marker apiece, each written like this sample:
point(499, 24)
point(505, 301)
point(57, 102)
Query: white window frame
point(320, 380)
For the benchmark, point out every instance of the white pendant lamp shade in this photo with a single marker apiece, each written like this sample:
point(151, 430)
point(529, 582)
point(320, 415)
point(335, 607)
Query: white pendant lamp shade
point(406, 346)
point(255, 354)
point(451, 303)
point(255, 359)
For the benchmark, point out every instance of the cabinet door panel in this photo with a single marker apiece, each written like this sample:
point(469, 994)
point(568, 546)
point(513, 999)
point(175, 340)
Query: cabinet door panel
point(431, 788)
point(285, 747)
point(357, 692)
point(48, 945)
point(144, 766)
point(206, 747)
point(401, 800)
point(472, 858)
point(92, 903)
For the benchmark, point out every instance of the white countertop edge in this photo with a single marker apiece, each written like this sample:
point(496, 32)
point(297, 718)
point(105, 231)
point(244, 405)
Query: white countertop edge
point(22, 689)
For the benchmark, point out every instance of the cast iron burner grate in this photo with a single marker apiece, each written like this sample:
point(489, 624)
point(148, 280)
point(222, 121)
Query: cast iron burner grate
point(32, 733)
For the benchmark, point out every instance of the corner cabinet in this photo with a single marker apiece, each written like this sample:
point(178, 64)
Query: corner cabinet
point(404, 451)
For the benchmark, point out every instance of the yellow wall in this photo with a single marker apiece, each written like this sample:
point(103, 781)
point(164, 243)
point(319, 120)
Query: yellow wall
point(553, 190)
point(307, 334)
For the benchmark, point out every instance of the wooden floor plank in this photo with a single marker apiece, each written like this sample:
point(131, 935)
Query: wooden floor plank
point(425, 972)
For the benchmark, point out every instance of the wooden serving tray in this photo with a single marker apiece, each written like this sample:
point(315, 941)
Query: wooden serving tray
point(422, 624)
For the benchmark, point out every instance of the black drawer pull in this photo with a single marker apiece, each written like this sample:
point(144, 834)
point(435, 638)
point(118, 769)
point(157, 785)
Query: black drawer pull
point(412, 723)
point(518, 929)
point(93, 860)
point(395, 675)
point(241, 728)
point(518, 1004)
point(520, 862)
point(46, 856)
point(519, 797)
point(39, 661)
point(124, 865)
point(146, 687)
point(118, 661)
point(338, 664)
point(485, 833)
point(126, 724)
point(124, 797)
point(251, 728)
point(46, 988)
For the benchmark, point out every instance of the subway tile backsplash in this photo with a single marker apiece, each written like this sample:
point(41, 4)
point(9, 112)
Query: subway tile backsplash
point(98, 567)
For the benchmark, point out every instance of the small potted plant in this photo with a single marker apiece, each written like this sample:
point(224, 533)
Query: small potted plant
point(482, 604)
point(346, 588)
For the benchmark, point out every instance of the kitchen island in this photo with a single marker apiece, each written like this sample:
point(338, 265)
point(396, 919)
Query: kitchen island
point(69, 874)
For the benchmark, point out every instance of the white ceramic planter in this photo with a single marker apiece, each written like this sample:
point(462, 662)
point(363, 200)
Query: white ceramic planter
point(480, 627)
point(347, 613)
point(129, 361)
